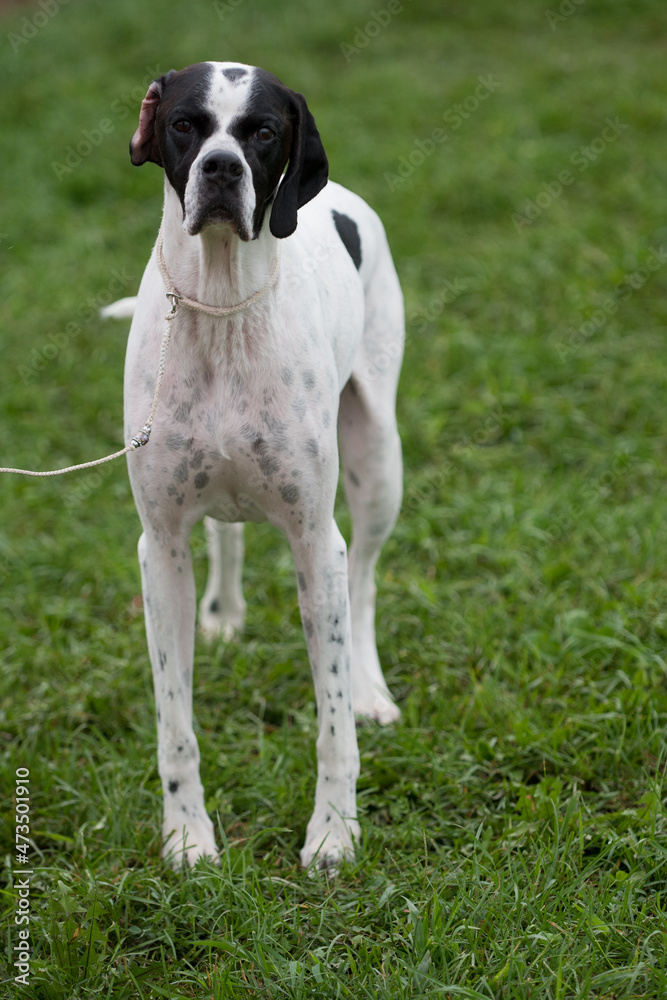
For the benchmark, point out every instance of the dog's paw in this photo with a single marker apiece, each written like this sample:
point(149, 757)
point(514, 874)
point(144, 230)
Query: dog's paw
point(217, 625)
point(220, 631)
point(183, 849)
point(377, 707)
point(328, 845)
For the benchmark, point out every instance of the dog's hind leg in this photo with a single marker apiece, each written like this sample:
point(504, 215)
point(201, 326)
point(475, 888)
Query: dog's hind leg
point(371, 455)
point(222, 608)
point(370, 451)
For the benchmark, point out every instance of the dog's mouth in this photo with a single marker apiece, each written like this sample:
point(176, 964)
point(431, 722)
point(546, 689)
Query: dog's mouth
point(218, 212)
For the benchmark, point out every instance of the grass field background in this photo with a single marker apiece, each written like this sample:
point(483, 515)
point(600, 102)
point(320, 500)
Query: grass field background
point(514, 823)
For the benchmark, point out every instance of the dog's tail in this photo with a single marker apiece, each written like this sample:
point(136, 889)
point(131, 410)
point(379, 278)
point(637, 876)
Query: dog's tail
point(121, 309)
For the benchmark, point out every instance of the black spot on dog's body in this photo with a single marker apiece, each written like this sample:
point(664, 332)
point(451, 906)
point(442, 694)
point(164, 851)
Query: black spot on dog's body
point(201, 480)
point(299, 407)
point(173, 786)
point(182, 412)
point(269, 466)
point(181, 472)
point(290, 493)
point(349, 233)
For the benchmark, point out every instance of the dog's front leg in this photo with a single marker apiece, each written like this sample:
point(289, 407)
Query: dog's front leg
point(321, 564)
point(170, 605)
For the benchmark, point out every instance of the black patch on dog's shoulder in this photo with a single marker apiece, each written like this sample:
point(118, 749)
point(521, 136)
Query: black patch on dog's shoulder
point(349, 234)
point(234, 74)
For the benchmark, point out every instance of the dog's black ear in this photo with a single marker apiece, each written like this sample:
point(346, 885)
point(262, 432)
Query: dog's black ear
point(143, 145)
point(307, 171)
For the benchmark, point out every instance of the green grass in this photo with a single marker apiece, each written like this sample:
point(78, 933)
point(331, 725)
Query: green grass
point(514, 823)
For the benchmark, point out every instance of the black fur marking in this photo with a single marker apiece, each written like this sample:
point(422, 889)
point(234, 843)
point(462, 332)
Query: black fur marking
point(290, 493)
point(234, 74)
point(269, 466)
point(296, 140)
point(269, 103)
point(349, 234)
point(181, 472)
point(214, 606)
point(173, 786)
point(185, 95)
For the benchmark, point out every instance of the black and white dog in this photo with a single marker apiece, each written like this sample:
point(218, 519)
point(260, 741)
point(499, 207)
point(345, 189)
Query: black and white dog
point(253, 411)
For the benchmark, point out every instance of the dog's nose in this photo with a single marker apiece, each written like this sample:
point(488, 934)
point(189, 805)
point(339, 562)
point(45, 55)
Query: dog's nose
point(223, 166)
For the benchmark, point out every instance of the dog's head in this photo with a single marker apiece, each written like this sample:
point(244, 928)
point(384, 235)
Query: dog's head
point(224, 133)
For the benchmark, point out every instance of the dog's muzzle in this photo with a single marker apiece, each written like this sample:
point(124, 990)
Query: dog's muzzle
point(219, 194)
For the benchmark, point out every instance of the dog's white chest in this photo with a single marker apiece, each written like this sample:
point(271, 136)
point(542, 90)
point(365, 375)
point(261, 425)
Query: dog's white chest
point(243, 430)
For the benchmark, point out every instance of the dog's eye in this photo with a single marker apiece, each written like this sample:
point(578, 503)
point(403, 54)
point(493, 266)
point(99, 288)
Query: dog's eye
point(264, 133)
point(182, 126)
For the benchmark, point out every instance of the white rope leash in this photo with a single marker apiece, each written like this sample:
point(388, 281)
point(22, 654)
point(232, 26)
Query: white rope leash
point(142, 438)
point(173, 295)
point(139, 440)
